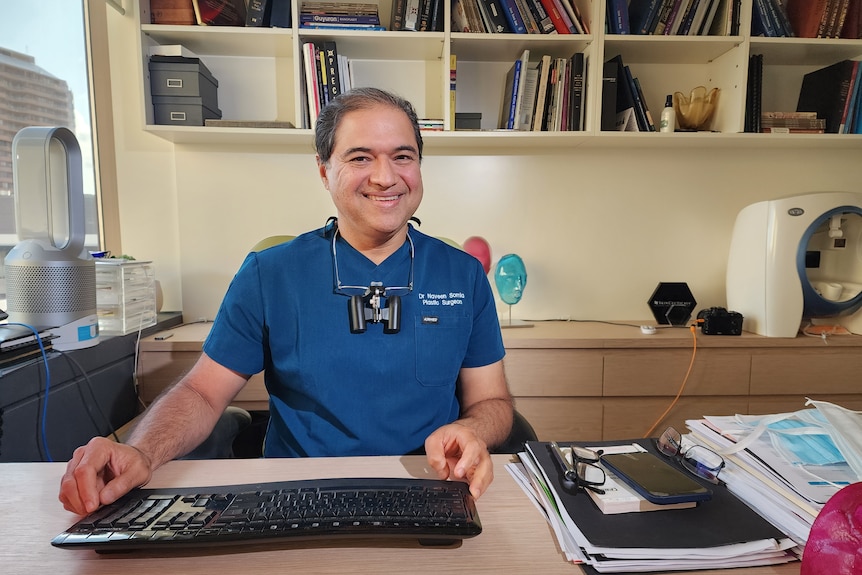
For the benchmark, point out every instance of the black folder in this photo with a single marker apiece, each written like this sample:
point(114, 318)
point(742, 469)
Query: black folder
point(723, 520)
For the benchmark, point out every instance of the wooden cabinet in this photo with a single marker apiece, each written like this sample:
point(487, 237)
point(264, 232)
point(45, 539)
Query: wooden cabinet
point(594, 381)
point(260, 78)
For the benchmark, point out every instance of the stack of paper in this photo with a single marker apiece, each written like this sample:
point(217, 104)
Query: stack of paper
point(723, 532)
point(787, 495)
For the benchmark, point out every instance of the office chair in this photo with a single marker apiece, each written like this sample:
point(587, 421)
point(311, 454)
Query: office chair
point(521, 431)
point(234, 420)
point(219, 444)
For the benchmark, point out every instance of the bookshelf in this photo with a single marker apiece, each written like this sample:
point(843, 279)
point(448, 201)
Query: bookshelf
point(260, 78)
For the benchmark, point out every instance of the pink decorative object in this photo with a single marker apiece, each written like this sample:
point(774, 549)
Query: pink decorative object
point(834, 545)
point(478, 248)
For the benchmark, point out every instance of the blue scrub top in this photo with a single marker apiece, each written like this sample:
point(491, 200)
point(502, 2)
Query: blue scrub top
point(334, 393)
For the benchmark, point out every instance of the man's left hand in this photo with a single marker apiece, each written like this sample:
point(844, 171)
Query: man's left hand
point(455, 451)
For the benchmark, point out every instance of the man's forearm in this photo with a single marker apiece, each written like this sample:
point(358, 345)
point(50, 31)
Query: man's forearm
point(491, 419)
point(177, 422)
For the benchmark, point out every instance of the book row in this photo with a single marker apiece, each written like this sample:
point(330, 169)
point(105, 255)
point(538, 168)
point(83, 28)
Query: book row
point(811, 18)
point(624, 106)
point(417, 15)
point(830, 101)
point(326, 74)
point(252, 13)
point(673, 17)
point(548, 95)
point(833, 92)
point(330, 14)
point(518, 17)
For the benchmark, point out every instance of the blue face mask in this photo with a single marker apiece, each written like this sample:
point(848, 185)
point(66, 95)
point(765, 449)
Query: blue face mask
point(799, 442)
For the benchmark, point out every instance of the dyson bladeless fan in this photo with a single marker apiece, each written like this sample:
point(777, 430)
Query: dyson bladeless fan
point(50, 276)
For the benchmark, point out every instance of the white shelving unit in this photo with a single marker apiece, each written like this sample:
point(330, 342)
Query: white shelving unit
point(259, 74)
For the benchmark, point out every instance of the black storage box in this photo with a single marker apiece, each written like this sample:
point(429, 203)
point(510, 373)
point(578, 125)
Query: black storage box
point(180, 87)
point(468, 121)
point(178, 76)
point(182, 111)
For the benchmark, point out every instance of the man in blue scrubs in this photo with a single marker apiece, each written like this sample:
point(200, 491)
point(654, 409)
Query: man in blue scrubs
point(375, 339)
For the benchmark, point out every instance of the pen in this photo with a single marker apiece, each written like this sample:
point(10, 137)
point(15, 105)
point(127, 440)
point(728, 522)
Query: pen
point(163, 336)
point(569, 473)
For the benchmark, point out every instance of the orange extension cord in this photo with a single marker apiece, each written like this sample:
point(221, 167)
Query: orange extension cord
point(693, 328)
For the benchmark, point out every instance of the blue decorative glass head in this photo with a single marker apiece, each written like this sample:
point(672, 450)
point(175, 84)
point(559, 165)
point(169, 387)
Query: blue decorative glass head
point(510, 277)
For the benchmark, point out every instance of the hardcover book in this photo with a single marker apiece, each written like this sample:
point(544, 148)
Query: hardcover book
point(640, 14)
point(330, 61)
point(609, 96)
point(257, 13)
point(496, 16)
point(279, 14)
point(527, 104)
point(576, 91)
point(660, 22)
point(541, 16)
point(527, 16)
point(618, 15)
point(220, 12)
point(513, 16)
point(555, 16)
point(173, 12)
point(805, 16)
point(542, 93)
point(571, 9)
point(625, 98)
point(521, 101)
point(510, 97)
point(677, 15)
point(825, 91)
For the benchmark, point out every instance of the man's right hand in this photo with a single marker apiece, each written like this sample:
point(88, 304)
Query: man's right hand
point(100, 473)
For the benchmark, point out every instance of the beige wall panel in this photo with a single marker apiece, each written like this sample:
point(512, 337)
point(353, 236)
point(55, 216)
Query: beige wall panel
point(627, 418)
point(807, 371)
point(563, 418)
point(662, 372)
point(549, 372)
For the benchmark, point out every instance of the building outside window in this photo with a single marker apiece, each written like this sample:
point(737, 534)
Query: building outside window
point(43, 82)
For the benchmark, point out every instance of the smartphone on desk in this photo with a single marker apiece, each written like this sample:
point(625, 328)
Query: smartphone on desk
point(654, 479)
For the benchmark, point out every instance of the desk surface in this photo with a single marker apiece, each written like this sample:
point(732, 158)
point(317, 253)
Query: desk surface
point(515, 537)
point(562, 335)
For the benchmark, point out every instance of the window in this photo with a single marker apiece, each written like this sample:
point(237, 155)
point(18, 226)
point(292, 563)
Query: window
point(45, 72)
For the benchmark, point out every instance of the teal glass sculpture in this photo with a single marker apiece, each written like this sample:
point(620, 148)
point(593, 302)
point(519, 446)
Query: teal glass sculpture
point(510, 277)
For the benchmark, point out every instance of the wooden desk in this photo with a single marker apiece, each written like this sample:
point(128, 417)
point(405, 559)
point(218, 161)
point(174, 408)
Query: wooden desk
point(515, 537)
point(593, 381)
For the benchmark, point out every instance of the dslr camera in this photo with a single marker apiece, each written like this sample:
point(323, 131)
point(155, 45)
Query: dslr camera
point(719, 321)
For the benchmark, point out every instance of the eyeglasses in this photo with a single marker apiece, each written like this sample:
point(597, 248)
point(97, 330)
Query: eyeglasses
point(701, 461)
point(350, 290)
point(366, 302)
point(582, 472)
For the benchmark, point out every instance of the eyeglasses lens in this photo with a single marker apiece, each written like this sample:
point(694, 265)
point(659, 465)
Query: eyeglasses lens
point(590, 474)
point(583, 454)
point(703, 462)
point(670, 442)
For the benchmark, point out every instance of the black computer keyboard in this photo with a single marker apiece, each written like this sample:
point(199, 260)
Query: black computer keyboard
point(432, 511)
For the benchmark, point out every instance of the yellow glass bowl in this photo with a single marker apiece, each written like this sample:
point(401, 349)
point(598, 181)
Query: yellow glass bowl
point(695, 111)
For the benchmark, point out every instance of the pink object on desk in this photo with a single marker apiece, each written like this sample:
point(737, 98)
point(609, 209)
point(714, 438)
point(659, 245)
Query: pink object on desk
point(834, 546)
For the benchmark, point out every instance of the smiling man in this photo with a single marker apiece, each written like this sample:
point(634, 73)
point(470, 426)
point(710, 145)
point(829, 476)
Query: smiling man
point(375, 339)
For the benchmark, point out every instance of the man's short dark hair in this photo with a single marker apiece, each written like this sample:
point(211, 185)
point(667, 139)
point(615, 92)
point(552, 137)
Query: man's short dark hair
point(357, 99)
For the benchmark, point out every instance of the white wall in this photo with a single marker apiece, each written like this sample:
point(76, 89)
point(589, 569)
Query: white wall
point(597, 229)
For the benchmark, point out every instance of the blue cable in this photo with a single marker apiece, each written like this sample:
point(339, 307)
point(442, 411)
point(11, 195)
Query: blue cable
point(47, 387)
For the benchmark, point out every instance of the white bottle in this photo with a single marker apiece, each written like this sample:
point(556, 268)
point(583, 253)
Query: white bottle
point(668, 116)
